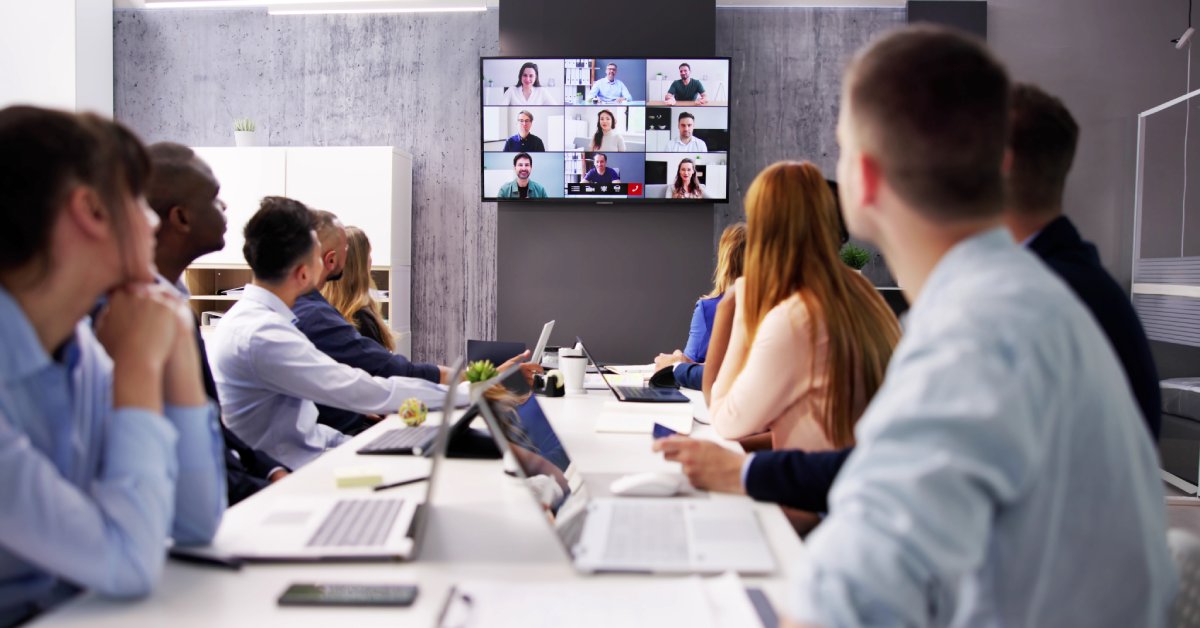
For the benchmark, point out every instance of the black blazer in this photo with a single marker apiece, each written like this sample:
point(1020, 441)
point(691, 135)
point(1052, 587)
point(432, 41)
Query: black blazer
point(246, 469)
point(802, 479)
point(1076, 261)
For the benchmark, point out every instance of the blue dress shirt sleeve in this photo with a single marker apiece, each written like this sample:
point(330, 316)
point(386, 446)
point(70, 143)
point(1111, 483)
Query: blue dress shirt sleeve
point(912, 512)
point(690, 375)
point(293, 366)
point(108, 535)
point(698, 336)
point(200, 493)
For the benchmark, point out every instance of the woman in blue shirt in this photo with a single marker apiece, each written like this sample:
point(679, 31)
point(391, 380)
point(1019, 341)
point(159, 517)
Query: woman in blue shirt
point(109, 445)
point(730, 259)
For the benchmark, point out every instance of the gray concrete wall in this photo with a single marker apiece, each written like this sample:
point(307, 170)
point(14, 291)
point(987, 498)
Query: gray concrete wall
point(403, 80)
point(787, 75)
point(1108, 60)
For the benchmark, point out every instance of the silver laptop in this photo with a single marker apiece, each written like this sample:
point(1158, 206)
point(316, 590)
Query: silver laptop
point(365, 526)
point(540, 347)
point(639, 394)
point(626, 534)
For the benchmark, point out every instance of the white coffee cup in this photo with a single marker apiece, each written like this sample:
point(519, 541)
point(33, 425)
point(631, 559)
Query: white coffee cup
point(573, 368)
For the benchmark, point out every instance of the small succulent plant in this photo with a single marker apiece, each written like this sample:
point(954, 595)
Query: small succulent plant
point(243, 124)
point(481, 371)
point(855, 256)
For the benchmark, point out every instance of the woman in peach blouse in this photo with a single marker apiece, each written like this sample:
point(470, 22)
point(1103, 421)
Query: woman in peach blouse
point(811, 337)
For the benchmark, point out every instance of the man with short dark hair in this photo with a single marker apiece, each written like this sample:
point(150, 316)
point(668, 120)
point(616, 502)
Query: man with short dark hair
point(522, 186)
point(524, 141)
point(182, 190)
point(686, 88)
point(601, 173)
point(1042, 144)
point(268, 373)
point(1000, 454)
point(686, 142)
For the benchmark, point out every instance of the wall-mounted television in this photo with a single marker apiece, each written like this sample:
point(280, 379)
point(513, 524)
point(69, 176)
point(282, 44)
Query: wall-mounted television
point(605, 129)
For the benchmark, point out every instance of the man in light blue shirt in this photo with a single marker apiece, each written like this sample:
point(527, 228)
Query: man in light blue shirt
point(268, 373)
point(1003, 475)
point(609, 89)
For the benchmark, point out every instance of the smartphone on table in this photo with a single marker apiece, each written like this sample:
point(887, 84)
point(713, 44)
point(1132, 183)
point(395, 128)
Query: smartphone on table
point(342, 594)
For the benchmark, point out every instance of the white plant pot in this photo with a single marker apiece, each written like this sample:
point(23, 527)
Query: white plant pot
point(243, 138)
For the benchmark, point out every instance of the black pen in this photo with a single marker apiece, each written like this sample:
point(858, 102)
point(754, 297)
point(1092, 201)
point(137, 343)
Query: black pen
point(197, 558)
point(380, 487)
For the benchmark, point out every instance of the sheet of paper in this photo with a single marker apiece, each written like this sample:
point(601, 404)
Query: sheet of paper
point(639, 418)
point(589, 603)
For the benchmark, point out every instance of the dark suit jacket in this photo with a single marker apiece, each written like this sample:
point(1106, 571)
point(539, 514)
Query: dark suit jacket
point(246, 469)
point(1078, 263)
point(338, 339)
point(802, 479)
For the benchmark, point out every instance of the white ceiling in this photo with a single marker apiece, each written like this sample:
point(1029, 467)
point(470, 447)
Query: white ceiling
point(450, 4)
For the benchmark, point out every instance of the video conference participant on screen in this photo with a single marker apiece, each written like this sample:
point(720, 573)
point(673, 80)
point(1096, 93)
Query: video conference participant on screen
point(522, 186)
point(524, 141)
point(528, 90)
point(686, 88)
point(601, 173)
point(687, 143)
point(609, 89)
point(605, 137)
point(687, 184)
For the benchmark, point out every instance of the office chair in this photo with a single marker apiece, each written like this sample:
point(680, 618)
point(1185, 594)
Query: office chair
point(1185, 549)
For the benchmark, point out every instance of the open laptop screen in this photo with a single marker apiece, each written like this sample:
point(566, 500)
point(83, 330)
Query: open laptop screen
point(526, 434)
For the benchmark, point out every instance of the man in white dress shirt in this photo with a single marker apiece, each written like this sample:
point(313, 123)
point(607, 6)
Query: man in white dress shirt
point(267, 371)
point(1003, 475)
point(686, 142)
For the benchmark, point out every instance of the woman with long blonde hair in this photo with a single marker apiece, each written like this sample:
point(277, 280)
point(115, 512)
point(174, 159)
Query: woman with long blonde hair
point(351, 295)
point(730, 254)
point(811, 337)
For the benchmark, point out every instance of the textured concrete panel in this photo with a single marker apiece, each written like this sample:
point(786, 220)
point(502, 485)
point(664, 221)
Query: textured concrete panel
point(786, 77)
point(402, 80)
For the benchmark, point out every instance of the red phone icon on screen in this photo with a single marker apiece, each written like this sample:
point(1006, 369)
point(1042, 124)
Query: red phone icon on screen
point(635, 189)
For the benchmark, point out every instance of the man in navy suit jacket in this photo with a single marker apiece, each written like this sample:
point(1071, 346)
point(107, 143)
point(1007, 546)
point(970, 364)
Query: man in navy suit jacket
point(338, 339)
point(1042, 141)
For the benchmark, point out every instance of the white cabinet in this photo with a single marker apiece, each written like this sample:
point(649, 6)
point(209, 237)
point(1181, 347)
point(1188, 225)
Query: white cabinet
point(368, 187)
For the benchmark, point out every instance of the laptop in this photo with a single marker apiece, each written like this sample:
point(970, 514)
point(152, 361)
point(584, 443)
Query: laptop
point(642, 394)
point(623, 534)
point(540, 347)
point(357, 527)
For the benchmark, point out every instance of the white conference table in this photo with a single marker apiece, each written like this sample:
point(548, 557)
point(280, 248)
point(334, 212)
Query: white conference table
point(484, 525)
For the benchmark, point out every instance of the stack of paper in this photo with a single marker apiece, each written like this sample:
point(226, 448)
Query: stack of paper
point(695, 602)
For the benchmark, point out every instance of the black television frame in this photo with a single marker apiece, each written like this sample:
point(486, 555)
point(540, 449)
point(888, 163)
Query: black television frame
point(643, 200)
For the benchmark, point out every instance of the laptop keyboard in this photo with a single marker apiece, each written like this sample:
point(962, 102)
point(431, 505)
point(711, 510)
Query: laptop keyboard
point(400, 440)
point(639, 392)
point(645, 532)
point(357, 523)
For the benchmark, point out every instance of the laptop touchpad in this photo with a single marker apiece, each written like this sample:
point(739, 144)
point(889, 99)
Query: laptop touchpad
point(288, 517)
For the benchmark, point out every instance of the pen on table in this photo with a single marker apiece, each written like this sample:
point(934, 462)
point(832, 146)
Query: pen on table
point(213, 560)
point(381, 487)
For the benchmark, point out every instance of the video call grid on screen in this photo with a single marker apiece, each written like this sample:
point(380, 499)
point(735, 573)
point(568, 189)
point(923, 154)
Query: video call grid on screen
point(665, 140)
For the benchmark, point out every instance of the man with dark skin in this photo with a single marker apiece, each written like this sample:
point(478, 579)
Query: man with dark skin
point(183, 191)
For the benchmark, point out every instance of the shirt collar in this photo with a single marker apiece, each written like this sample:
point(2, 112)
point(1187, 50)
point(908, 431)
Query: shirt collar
point(23, 354)
point(266, 298)
point(961, 260)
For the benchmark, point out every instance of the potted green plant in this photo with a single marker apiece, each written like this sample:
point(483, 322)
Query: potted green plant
point(855, 256)
point(479, 372)
point(243, 132)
